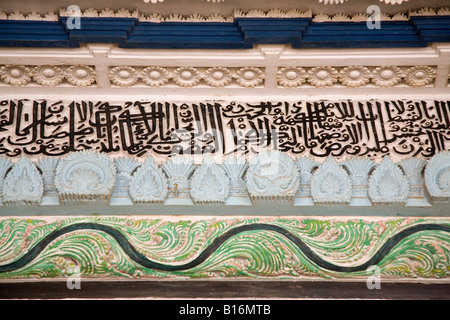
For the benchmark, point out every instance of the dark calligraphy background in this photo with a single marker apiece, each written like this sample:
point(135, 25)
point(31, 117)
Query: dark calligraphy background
point(343, 128)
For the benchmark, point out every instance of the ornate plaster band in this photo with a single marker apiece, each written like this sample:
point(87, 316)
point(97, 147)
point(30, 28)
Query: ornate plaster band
point(271, 176)
point(256, 247)
point(255, 13)
point(340, 128)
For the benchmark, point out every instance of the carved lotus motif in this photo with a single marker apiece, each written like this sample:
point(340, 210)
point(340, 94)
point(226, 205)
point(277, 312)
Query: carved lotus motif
point(23, 184)
point(148, 183)
point(388, 184)
point(437, 175)
point(272, 174)
point(209, 183)
point(330, 183)
point(85, 175)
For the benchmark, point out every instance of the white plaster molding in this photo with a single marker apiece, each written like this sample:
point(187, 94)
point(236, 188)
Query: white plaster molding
point(388, 184)
point(23, 184)
point(85, 176)
point(359, 169)
point(272, 175)
point(125, 167)
point(5, 165)
point(330, 184)
point(209, 183)
point(178, 170)
point(47, 166)
point(148, 183)
point(306, 166)
point(235, 168)
point(413, 169)
point(437, 176)
point(274, 13)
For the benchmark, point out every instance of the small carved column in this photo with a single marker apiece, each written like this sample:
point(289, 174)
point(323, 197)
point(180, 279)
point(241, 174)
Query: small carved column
point(359, 169)
point(125, 168)
point(235, 168)
point(178, 170)
point(303, 196)
point(47, 167)
point(5, 164)
point(413, 169)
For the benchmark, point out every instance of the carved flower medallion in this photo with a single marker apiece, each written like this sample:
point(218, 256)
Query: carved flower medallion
point(123, 76)
point(217, 76)
point(249, 77)
point(322, 76)
point(387, 76)
point(291, 77)
point(186, 76)
point(15, 75)
point(419, 76)
point(80, 76)
point(48, 76)
point(354, 76)
point(155, 76)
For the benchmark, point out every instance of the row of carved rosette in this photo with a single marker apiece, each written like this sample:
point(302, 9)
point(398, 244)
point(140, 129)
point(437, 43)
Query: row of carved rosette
point(271, 175)
point(247, 77)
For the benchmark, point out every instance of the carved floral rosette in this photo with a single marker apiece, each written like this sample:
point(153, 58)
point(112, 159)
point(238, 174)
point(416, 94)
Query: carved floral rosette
point(23, 184)
point(235, 168)
point(178, 170)
point(388, 184)
point(125, 167)
point(47, 166)
point(413, 169)
point(272, 175)
point(305, 165)
point(148, 183)
point(331, 184)
point(209, 183)
point(359, 169)
point(5, 165)
point(85, 175)
point(437, 176)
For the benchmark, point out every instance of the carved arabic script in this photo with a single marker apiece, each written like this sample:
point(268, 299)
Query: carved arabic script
point(370, 128)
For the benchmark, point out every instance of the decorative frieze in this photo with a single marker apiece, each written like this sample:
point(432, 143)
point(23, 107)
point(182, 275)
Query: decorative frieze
point(47, 75)
point(270, 176)
point(154, 76)
point(356, 76)
point(413, 249)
